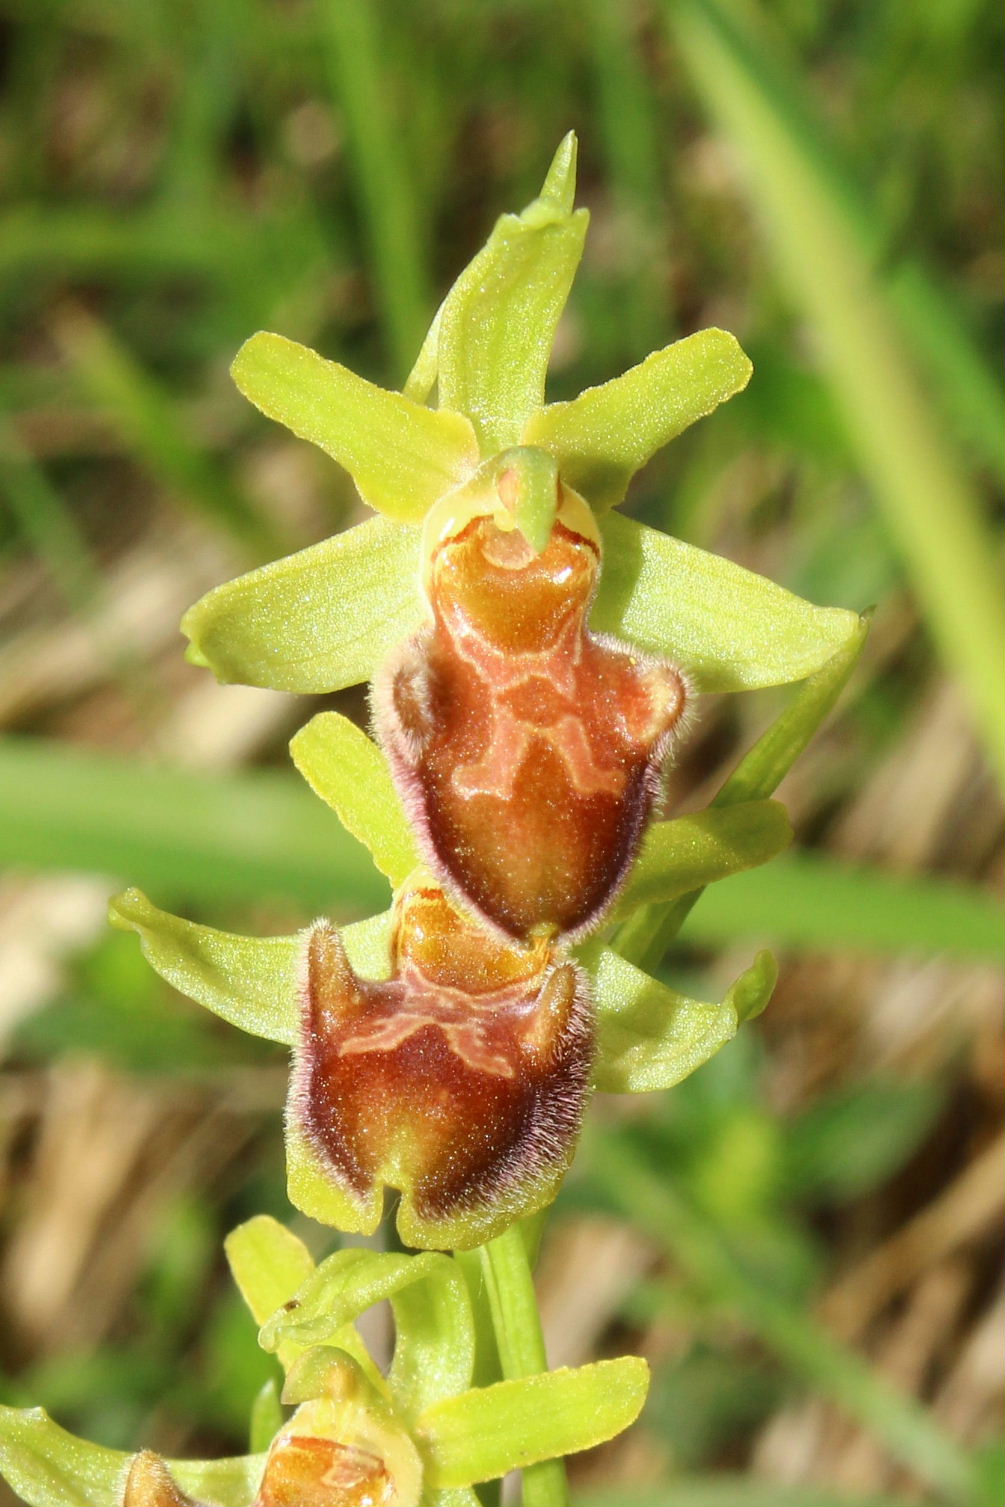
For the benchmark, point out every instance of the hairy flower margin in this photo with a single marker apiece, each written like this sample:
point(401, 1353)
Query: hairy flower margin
point(447, 1047)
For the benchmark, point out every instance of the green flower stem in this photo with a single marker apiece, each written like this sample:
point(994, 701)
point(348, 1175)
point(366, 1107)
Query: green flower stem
point(513, 1301)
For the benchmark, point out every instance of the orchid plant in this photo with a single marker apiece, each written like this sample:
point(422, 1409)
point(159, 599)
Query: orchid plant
point(534, 655)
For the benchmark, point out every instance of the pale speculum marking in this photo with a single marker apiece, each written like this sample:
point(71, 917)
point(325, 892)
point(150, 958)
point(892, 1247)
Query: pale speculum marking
point(463, 1020)
point(531, 697)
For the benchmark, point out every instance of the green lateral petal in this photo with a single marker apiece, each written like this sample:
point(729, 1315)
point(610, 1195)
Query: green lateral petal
point(347, 770)
point(489, 1431)
point(315, 621)
point(730, 629)
point(434, 1344)
point(692, 851)
point(249, 981)
point(498, 321)
point(48, 1467)
point(650, 1037)
point(609, 432)
point(401, 455)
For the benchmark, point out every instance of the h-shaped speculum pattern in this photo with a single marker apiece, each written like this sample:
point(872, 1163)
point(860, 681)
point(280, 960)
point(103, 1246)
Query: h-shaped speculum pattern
point(527, 750)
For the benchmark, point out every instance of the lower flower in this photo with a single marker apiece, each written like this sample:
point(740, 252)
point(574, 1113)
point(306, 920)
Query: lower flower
point(460, 1081)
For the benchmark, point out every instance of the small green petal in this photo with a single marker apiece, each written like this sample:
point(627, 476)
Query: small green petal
point(730, 629)
point(650, 1037)
point(248, 981)
point(347, 770)
point(692, 851)
point(498, 321)
point(48, 1467)
point(608, 433)
point(487, 1432)
point(434, 1329)
point(401, 455)
point(315, 621)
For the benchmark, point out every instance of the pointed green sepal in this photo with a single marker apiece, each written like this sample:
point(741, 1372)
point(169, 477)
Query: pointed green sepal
point(434, 1329)
point(485, 1433)
point(606, 434)
point(315, 621)
point(249, 981)
point(268, 1263)
point(730, 629)
point(347, 770)
point(401, 455)
point(649, 1036)
point(48, 1467)
point(498, 321)
point(691, 851)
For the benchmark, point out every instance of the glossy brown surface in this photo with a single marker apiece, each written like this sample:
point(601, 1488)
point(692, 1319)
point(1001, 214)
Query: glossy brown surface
point(461, 1080)
point(303, 1471)
point(527, 749)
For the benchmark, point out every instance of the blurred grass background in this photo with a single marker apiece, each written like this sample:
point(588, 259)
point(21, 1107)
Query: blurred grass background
point(805, 1239)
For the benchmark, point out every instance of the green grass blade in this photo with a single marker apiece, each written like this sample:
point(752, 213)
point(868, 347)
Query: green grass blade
point(207, 837)
point(352, 49)
point(927, 501)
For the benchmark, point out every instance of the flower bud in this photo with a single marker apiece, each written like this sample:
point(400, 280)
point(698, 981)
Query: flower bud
point(460, 1080)
point(527, 749)
point(150, 1484)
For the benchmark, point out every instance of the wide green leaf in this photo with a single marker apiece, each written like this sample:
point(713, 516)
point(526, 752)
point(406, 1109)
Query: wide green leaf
point(48, 1467)
point(434, 1330)
point(730, 629)
point(498, 321)
point(315, 621)
point(347, 770)
point(649, 1036)
point(486, 1432)
point(606, 434)
point(691, 851)
point(249, 981)
point(401, 455)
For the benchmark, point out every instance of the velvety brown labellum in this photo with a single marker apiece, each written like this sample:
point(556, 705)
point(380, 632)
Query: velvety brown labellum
point(461, 1080)
point(527, 749)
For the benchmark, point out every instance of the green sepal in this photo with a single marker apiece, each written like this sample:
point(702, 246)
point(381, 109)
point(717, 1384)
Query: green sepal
point(401, 455)
point(607, 433)
point(434, 1329)
point(249, 981)
point(48, 1467)
point(347, 770)
point(730, 629)
point(268, 1263)
point(316, 621)
point(486, 1432)
point(649, 1036)
point(691, 851)
point(453, 1496)
point(498, 322)
point(267, 1418)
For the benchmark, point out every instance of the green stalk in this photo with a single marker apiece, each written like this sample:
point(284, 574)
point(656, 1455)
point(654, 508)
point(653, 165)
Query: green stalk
point(513, 1301)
